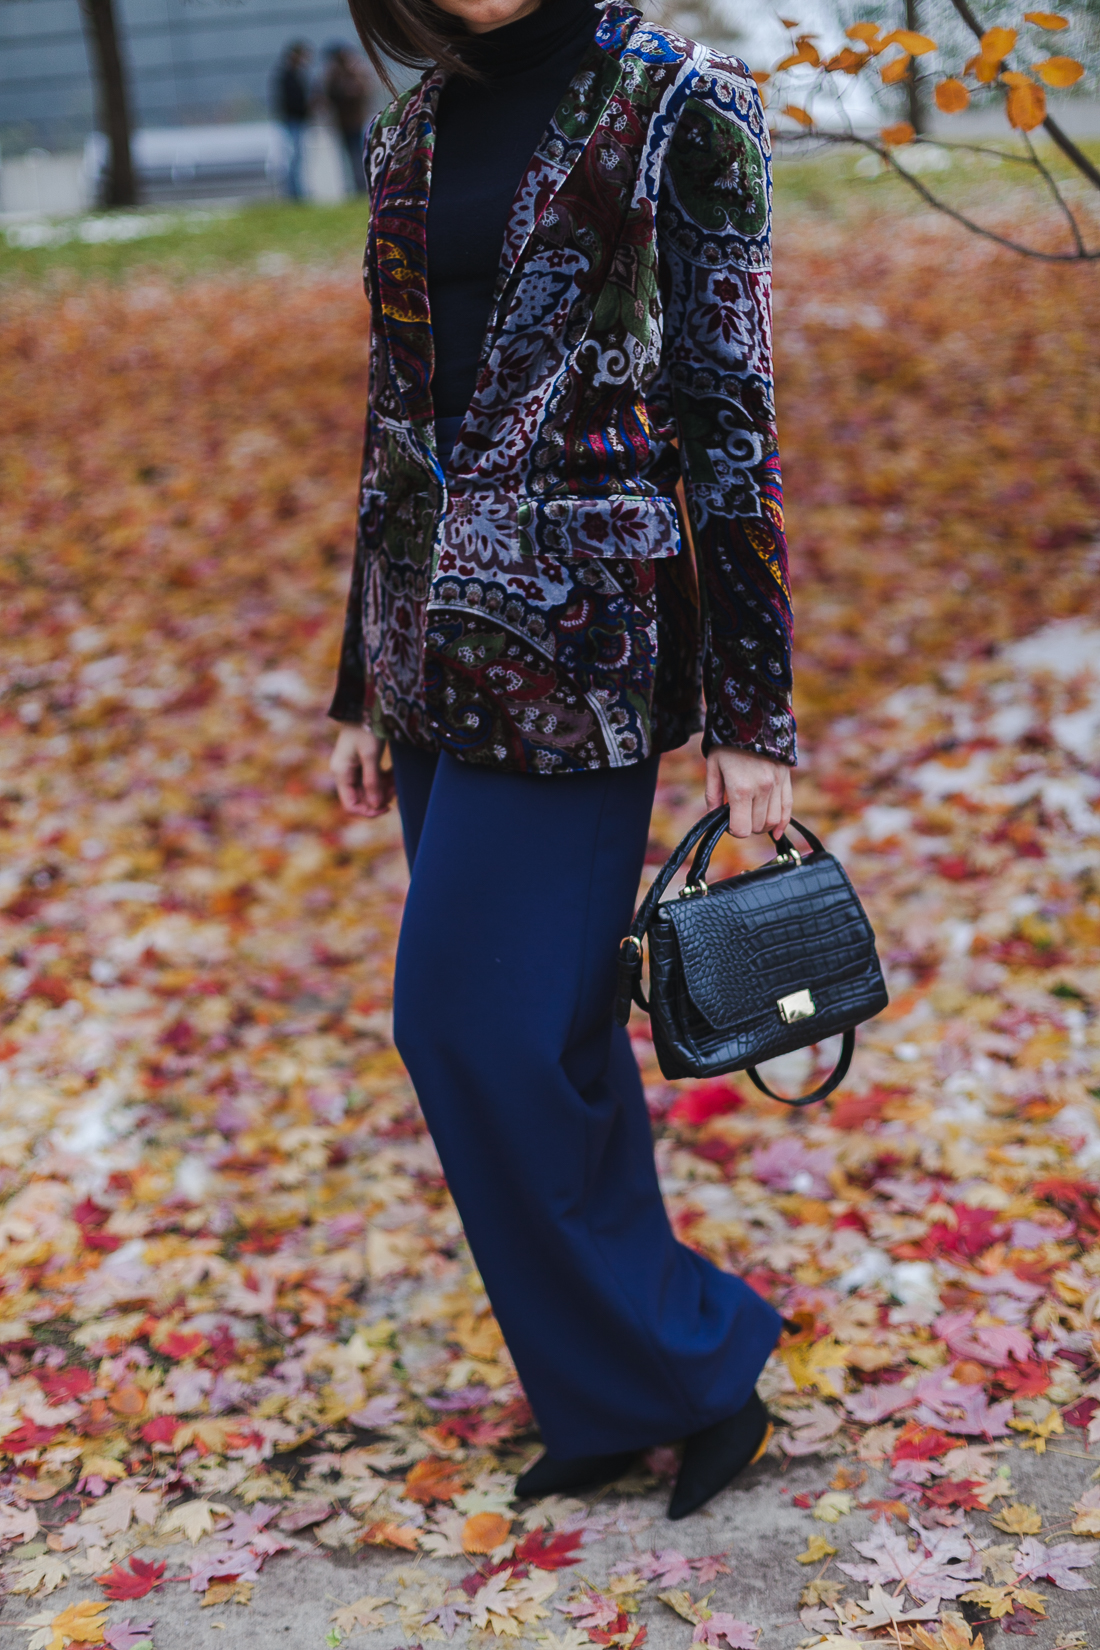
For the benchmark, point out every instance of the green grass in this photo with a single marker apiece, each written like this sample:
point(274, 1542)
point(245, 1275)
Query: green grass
point(265, 237)
point(254, 238)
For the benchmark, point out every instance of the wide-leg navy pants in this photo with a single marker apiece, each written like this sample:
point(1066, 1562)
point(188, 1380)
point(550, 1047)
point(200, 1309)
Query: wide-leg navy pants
point(521, 889)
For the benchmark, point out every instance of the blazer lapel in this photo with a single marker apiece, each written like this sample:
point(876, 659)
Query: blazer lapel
point(577, 117)
point(400, 224)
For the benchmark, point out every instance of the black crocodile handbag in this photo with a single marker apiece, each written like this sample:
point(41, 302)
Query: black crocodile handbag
point(763, 963)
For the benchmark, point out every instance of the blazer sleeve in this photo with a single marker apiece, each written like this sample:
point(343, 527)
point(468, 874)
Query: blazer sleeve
point(714, 236)
point(353, 697)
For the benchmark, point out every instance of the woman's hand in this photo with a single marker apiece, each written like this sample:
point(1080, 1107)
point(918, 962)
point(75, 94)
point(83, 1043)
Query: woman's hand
point(362, 784)
point(758, 791)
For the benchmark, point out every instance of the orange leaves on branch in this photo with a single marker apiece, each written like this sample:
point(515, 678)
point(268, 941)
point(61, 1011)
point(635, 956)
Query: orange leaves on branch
point(1060, 71)
point(951, 97)
point(1026, 105)
point(896, 70)
point(897, 135)
point(996, 44)
point(847, 61)
point(806, 52)
point(868, 33)
point(916, 45)
point(1046, 19)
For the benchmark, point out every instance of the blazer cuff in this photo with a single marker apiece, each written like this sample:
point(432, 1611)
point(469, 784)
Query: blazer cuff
point(765, 729)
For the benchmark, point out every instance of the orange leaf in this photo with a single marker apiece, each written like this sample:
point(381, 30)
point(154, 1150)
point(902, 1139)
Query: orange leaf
point(798, 114)
point(982, 68)
point(847, 61)
point(1026, 106)
point(433, 1480)
point(997, 43)
point(128, 1400)
point(1016, 77)
point(388, 1534)
point(897, 70)
point(951, 96)
point(789, 22)
point(895, 136)
point(917, 45)
point(484, 1532)
point(761, 76)
point(867, 32)
point(805, 54)
point(1046, 19)
point(1060, 71)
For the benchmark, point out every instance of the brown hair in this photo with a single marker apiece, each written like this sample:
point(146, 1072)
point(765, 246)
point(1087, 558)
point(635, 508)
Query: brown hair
point(412, 32)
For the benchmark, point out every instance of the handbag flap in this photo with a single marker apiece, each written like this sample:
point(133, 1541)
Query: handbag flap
point(759, 938)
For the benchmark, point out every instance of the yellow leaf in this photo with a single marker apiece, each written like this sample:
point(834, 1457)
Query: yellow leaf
point(82, 1621)
point(894, 136)
point(1087, 1522)
point(951, 97)
point(1052, 1426)
point(798, 114)
point(997, 43)
point(1060, 71)
point(1019, 1519)
point(917, 45)
point(810, 1362)
point(1046, 19)
point(817, 1548)
point(832, 1506)
point(897, 70)
point(484, 1532)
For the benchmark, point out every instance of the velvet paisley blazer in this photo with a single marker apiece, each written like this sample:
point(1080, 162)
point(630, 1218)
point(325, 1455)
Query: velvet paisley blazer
point(542, 606)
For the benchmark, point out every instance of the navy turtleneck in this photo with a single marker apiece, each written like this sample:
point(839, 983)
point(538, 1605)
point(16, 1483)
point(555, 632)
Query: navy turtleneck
point(486, 132)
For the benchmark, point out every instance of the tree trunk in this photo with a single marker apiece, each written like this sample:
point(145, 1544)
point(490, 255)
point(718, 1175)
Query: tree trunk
point(916, 104)
point(119, 184)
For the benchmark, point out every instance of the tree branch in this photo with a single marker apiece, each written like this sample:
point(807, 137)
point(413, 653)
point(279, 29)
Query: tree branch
point(885, 154)
point(1062, 204)
point(1075, 156)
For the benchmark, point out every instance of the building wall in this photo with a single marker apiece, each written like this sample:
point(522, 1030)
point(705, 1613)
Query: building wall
point(190, 61)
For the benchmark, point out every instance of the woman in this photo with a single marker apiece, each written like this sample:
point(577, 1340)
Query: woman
point(568, 276)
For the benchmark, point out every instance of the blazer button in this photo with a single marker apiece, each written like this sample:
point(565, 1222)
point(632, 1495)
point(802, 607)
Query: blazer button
point(524, 513)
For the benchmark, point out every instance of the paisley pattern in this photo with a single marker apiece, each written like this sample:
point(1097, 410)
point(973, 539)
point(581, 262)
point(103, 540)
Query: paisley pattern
point(542, 607)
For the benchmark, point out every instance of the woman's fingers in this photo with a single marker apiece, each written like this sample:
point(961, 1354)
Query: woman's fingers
point(363, 786)
point(757, 790)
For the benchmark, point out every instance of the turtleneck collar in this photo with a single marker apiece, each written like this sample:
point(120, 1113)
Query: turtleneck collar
point(558, 25)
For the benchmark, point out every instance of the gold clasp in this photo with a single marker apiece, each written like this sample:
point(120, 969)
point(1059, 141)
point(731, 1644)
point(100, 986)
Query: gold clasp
point(791, 858)
point(798, 1005)
point(690, 889)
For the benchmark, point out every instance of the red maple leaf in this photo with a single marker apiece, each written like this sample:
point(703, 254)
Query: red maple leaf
point(1027, 1380)
point(554, 1554)
point(606, 1635)
point(63, 1385)
point(1076, 1199)
point(714, 1098)
point(1082, 1412)
point(179, 1345)
point(917, 1443)
point(29, 1436)
point(161, 1429)
point(139, 1579)
point(955, 1492)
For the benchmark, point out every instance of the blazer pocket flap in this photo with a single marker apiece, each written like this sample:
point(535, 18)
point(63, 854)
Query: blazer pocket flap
point(619, 526)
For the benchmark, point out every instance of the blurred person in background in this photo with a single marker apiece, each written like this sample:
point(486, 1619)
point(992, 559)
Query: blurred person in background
point(293, 104)
point(347, 91)
point(568, 266)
